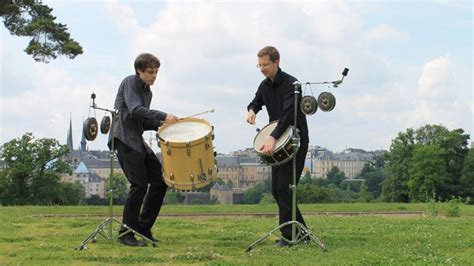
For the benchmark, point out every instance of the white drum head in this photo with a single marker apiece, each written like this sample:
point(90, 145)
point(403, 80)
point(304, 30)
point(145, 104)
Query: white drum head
point(261, 137)
point(185, 131)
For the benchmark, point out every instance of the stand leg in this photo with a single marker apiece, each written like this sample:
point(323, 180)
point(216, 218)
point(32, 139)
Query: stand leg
point(100, 230)
point(303, 234)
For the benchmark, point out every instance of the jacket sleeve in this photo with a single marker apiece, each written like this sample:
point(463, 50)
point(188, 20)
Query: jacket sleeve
point(135, 104)
point(149, 124)
point(257, 102)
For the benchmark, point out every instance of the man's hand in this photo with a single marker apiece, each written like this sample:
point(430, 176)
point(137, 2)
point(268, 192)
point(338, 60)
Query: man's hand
point(269, 146)
point(170, 118)
point(251, 117)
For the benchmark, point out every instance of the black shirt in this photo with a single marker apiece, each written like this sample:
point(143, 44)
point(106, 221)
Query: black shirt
point(134, 115)
point(278, 98)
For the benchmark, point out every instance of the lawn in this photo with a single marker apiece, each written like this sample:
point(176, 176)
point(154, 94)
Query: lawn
point(218, 235)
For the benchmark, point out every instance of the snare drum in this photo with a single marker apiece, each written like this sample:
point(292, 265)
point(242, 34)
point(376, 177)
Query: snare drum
point(283, 147)
point(188, 153)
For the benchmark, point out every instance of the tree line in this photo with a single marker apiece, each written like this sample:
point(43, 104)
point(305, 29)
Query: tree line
point(429, 163)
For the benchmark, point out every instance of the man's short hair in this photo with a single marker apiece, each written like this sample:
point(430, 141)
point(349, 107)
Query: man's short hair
point(146, 60)
point(271, 51)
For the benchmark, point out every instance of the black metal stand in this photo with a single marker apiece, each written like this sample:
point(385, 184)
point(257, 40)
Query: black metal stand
point(108, 223)
point(299, 232)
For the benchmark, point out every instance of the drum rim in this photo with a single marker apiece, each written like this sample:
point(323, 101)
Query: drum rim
point(185, 143)
point(276, 148)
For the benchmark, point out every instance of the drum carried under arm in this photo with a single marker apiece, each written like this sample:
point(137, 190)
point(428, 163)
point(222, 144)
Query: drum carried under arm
point(283, 148)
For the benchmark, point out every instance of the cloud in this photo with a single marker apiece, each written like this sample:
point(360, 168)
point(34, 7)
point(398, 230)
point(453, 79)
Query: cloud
point(439, 101)
point(384, 32)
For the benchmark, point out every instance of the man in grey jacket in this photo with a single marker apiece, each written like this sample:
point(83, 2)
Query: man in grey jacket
point(138, 161)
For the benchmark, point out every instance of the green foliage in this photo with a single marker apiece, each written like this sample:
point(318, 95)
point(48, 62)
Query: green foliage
point(373, 177)
point(467, 177)
point(32, 176)
point(255, 194)
point(172, 197)
point(267, 198)
point(427, 173)
point(364, 194)
point(453, 208)
point(33, 19)
point(426, 161)
point(119, 187)
point(432, 208)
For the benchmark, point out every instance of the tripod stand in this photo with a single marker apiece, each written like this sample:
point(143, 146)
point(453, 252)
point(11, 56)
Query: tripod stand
point(109, 221)
point(299, 232)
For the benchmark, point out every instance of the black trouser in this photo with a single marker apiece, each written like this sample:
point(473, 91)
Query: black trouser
point(282, 178)
point(141, 169)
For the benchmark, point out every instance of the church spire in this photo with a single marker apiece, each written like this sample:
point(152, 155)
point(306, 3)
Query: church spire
point(69, 135)
point(83, 142)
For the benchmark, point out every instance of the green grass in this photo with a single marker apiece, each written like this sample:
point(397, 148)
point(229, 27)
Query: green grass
point(28, 237)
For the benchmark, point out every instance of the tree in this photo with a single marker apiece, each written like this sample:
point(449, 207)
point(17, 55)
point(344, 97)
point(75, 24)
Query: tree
point(335, 176)
point(394, 187)
point(33, 19)
point(451, 150)
point(427, 174)
point(364, 194)
point(119, 188)
point(373, 178)
point(467, 177)
point(32, 176)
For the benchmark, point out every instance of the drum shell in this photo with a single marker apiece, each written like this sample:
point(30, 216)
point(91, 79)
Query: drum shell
point(188, 165)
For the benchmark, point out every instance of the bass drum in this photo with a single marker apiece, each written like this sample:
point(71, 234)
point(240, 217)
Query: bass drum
point(188, 154)
point(283, 148)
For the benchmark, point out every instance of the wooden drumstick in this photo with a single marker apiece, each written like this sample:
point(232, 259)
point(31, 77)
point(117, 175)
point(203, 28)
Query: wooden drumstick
point(208, 111)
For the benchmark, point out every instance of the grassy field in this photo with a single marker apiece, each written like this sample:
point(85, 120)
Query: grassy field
point(47, 236)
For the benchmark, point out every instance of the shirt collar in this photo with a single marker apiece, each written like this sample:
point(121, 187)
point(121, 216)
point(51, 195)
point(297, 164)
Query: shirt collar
point(142, 85)
point(277, 80)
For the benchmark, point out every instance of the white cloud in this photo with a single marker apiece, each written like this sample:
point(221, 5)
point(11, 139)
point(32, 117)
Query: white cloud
point(208, 53)
point(384, 32)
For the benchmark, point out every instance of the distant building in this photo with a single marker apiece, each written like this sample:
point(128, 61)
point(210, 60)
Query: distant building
point(93, 183)
point(350, 161)
point(222, 193)
point(244, 172)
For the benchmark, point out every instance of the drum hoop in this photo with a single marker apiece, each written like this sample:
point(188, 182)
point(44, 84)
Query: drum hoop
point(194, 142)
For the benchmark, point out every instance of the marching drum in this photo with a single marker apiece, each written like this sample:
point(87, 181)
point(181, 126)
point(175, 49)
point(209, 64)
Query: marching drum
point(283, 148)
point(188, 153)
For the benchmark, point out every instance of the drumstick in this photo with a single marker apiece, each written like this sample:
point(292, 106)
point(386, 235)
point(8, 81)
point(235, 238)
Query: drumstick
point(208, 111)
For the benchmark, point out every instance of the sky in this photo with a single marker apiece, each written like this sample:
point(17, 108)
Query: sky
point(410, 65)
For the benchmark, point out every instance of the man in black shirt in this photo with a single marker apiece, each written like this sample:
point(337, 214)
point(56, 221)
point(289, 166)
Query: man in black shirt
point(137, 159)
point(276, 92)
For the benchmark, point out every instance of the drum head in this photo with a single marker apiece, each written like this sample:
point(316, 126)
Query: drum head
point(261, 137)
point(185, 131)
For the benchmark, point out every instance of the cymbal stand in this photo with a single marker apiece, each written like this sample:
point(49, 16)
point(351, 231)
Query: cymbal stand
point(109, 221)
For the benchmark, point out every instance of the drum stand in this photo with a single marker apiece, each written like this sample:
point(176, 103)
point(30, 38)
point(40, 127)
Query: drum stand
point(299, 232)
point(108, 223)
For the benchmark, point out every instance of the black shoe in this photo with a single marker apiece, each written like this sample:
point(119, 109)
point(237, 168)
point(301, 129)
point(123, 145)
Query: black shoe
point(147, 233)
point(130, 240)
point(282, 243)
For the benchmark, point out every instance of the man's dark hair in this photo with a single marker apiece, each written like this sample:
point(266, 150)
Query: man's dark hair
point(271, 51)
point(146, 60)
